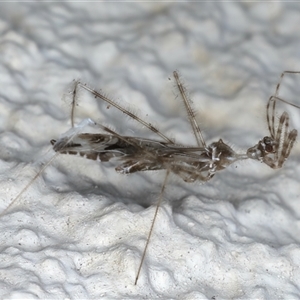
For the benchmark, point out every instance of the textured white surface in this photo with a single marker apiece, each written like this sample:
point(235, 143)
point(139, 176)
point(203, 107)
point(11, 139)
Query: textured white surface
point(79, 230)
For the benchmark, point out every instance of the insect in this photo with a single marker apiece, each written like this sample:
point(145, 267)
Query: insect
point(198, 163)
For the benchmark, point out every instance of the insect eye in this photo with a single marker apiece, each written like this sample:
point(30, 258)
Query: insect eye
point(267, 140)
point(269, 144)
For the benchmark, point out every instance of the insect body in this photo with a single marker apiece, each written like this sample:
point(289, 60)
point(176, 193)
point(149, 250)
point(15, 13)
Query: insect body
point(139, 154)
